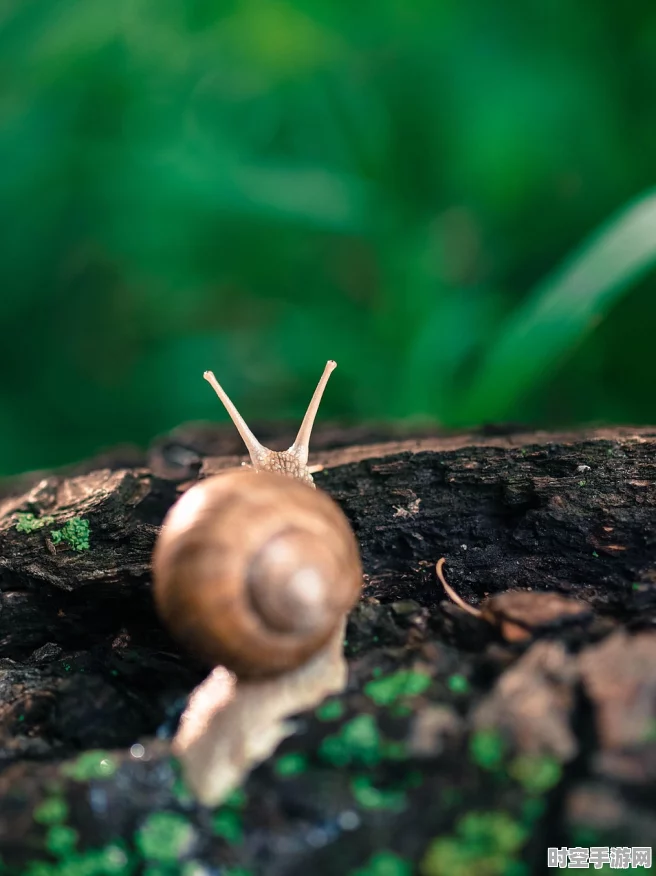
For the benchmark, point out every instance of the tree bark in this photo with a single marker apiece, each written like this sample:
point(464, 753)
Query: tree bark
point(526, 733)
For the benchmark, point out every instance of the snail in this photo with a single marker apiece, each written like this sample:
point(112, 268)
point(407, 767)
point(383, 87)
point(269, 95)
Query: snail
point(255, 570)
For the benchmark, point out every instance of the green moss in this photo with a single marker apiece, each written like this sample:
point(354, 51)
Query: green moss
point(392, 750)
point(384, 863)
point(198, 868)
point(26, 522)
point(227, 821)
point(112, 860)
point(236, 800)
point(533, 809)
point(164, 837)
point(458, 684)
point(227, 824)
point(358, 742)
point(159, 870)
point(291, 764)
point(537, 774)
point(495, 829)
point(179, 788)
point(369, 797)
point(91, 765)
point(41, 868)
point(362, 735)
point(74, 533)
point(61, 839)
point(485, 844)
point(387, 690)
point(334, 751)
point(330, 711)
point(194, 868)
point(486, 749)
point(398, 710)
point(181, 792)
point(52, 811)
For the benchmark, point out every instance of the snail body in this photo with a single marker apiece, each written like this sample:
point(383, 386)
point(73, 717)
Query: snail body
point(255, 569)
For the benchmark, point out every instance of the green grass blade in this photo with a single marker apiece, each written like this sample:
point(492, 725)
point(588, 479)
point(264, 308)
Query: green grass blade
point(559, 313)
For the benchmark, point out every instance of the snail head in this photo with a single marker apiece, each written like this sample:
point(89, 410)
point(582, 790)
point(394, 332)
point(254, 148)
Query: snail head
point(291, 462)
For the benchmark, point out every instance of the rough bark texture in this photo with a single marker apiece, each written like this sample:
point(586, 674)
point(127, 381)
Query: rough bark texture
point(462, 745)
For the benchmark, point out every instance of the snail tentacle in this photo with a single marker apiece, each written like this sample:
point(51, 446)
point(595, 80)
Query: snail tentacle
point(301, 446)
point(291, 462)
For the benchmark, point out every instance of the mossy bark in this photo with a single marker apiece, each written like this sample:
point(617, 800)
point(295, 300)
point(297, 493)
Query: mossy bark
point(446, 730)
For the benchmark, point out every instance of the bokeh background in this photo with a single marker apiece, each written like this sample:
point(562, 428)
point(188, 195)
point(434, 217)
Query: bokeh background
point(451, 199)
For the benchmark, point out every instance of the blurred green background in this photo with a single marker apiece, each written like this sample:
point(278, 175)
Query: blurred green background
point(451, 199)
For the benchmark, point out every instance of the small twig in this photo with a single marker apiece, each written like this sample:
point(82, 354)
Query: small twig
point(451, 592)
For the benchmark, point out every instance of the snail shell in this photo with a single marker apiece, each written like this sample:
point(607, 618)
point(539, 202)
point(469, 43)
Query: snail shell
point(255, 570)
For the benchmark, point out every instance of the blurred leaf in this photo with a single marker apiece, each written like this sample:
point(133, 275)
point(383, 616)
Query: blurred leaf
point(282, 36)
point(313, 196)
point(270, 183)
point(561, 311)
point(457, 327)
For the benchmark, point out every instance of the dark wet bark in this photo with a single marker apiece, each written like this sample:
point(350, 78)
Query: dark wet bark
point(546, 737)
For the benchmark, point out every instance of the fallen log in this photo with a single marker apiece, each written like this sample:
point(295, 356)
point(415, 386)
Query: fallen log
point(449, 728)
